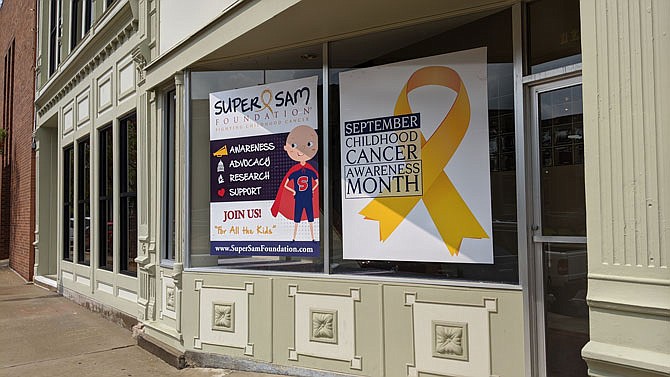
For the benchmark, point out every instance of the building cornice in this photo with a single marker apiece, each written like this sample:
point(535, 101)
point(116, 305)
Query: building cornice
point(104, 39)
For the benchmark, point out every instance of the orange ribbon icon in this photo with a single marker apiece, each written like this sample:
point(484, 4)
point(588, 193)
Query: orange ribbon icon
point(450, 214)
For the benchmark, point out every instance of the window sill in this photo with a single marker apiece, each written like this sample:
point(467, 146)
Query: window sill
point(167, 263)
point(362, 278)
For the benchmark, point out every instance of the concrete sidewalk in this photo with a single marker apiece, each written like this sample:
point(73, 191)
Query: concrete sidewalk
point(44, 334)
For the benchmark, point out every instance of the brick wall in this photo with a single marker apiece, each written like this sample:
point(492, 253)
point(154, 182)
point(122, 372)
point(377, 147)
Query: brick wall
point(17, 181)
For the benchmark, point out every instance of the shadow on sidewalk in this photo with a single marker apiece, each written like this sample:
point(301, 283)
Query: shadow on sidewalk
point(45, 334)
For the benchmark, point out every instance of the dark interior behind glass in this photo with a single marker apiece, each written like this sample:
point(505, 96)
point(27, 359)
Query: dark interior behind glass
point(554, 34)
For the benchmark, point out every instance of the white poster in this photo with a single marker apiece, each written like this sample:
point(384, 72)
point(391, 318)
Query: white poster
point(264, 175)
point(415, 160)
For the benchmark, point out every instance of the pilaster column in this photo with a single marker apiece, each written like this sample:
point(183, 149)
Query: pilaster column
point(147, 259)
point(180, 198)
point(36, 243)
point(626, 55)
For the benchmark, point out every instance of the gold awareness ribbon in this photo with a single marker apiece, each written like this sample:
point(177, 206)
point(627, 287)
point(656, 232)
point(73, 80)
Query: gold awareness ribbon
point(266, 102)
point(451, 216)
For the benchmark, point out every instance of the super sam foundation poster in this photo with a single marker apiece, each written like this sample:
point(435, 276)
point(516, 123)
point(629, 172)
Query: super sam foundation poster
point(415, 163)
point(264, 177)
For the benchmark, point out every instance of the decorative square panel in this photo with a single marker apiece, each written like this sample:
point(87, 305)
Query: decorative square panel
point(68, 118)
point(324, 326)
point(67, 275)
point(104, 287)
point(223, 316)
point(126, 294)
point(104, 91)
point(170, 298)
point(83, 107)
point(450, 340)
point(126, 79)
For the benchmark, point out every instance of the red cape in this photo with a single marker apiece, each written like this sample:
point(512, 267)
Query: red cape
point(285, 202)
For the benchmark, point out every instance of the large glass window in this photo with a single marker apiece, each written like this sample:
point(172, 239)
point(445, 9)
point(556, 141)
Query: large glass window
point(168, 174)
point(68, 203)
point(105, 201)
point(562, 162)
point(81, 20)
point(7, 108)
point(425, 40)
point(128, 194)
point(54, 31)
point(84, 202)
point(554, 34)
point(421, 41)
point(287, 65)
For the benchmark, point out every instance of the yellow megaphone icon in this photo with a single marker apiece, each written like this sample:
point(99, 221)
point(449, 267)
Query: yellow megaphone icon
point(221, 152)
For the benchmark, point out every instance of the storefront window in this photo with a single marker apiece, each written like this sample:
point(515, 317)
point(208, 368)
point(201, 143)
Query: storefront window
point(170, 101)
point(128, 194)
point(493, 101)
point(68, 203)
point(425, 41)
point(232, 174)
point(554, 34)
point(84, 202)
point(105, 194)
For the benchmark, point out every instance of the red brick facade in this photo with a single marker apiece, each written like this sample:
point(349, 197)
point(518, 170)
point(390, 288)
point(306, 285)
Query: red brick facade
point(17, 179)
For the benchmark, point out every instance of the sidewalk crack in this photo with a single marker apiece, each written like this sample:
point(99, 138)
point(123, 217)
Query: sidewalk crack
point(68, 357)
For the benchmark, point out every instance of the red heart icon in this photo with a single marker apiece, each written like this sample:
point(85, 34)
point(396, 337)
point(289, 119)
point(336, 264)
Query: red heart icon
point(221, 192)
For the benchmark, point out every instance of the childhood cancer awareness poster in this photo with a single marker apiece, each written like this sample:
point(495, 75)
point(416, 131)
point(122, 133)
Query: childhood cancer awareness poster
point(264, 175)
point(415, 162)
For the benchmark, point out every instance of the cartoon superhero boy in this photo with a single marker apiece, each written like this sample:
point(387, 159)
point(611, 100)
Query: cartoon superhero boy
point(298, 198)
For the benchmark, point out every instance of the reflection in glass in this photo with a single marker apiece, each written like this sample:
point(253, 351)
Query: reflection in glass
point(128, 194)
point(68, 203)
point(567, 320)
point(106, 210)
point(81, 20)
point(493, 146)
point(84, 203)
point(168, 173)
point(562, 158)
point(554, 36)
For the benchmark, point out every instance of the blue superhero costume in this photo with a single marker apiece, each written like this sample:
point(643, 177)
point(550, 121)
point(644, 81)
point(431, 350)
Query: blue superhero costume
point(302, 184)
point(305, 204)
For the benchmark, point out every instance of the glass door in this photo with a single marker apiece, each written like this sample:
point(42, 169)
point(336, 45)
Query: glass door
point(559, 230)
